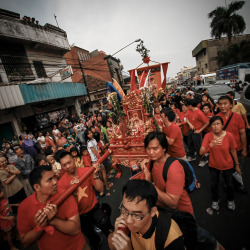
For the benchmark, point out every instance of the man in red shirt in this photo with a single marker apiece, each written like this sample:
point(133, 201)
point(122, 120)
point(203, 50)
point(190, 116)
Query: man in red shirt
point(174, 136)
point(197, 122)
point(236, 127)
point(38, 219)
point(89, 208)
point(170, 193)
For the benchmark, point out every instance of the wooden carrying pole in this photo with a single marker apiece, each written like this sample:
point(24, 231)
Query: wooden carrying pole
point(72, 188)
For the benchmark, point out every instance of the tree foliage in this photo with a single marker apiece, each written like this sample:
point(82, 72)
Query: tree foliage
point(236, 53)
point(226, 22)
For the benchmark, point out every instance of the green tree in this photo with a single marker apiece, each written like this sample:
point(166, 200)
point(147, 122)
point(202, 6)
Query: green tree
point(236, 53)
point(226, 22)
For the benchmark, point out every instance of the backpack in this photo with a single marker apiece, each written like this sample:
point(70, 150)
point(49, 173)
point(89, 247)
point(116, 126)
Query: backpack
point(190, 177)
point(184, 220)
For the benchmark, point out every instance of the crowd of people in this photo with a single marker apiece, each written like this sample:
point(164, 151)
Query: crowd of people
point(36, 168)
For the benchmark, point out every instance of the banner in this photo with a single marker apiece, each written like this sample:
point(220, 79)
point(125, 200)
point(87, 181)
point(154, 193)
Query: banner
point(154, 75)
point(164, 69)
point(110, 87)
point(132, 80)
point(118, 88)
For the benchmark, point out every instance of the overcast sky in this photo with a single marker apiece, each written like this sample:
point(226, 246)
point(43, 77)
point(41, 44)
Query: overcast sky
point(170, 29)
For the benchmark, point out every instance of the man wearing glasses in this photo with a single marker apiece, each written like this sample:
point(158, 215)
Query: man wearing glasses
point(136, 227)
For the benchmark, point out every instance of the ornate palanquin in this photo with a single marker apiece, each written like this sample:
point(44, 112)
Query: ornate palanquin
point(127, 138)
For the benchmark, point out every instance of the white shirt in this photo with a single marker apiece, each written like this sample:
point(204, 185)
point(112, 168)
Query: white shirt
point(92, 144)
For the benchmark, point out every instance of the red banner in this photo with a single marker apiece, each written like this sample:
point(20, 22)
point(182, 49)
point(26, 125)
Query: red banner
point(164, 69)
point(132, 80)
point(154, 74)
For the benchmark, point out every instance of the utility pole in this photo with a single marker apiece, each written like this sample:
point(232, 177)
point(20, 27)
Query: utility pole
point(85, 82)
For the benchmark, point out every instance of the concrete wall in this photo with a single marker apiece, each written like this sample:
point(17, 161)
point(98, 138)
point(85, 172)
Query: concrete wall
point(20, 29)
point(53, 62)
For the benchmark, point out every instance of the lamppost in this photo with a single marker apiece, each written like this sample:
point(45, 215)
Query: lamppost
point(110, 56)
point(136, 41)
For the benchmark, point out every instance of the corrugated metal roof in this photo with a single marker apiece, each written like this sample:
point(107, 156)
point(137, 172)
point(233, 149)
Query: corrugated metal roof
point(10, 96)
point(48, 91)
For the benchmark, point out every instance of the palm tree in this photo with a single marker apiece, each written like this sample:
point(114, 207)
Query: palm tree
point(226, 22)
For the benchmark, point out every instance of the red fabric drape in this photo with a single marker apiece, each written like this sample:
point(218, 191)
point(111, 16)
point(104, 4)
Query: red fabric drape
point(164, 69)
point(132, 81)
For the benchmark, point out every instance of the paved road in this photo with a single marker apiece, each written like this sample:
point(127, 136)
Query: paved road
point(231, 229)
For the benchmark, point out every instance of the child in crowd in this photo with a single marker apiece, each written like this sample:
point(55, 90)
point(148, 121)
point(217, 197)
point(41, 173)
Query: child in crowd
point(7, 219)
point(78, 160)
point(85, 157)
point(206, 111)
point(56, 166)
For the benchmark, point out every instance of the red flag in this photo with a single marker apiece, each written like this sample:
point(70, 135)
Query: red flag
point(164, 69)
point(132, 81)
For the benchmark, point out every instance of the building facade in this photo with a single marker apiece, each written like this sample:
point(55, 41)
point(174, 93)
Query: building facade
point(206, 52)
point(36, 88)
point(94, 69)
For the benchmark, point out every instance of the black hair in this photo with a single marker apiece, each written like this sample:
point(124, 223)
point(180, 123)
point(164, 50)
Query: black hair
point(48, 151)
point(156, 135)
point(231, 93)
point(170, 114)
point(83, 148)
point(73, 149)
point(192, 102)
point(15, 149)
point(173, 103)
point(225, 97)
point(141, 190)
point(60, 154)
point(35, 175)
point(215, 118)
point(86, 133)
point(204, 94)
point(205, 105)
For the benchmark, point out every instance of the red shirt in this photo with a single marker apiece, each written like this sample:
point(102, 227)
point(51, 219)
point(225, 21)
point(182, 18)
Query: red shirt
point(5, 211)
point(235, 125)
point(85, 194)
point(25, 223)
point(86, 160)
point(209, 115)
point(174, 185)
point(158, 119)
point(197, 118)
point(219, 155)
point(185, 127)
point(177, 148)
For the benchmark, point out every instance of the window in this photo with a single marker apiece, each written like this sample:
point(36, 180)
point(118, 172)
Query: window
point(40, 71)
point(206, 65)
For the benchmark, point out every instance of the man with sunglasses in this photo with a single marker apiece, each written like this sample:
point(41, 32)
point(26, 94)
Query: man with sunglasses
point(136, 227)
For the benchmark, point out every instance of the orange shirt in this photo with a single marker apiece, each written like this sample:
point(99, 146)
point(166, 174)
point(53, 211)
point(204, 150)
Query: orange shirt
point(174, 185)
point(177, 148)
point(219, 155)
point(235, 125)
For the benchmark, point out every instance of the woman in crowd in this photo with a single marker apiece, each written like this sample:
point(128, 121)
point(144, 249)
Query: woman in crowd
point(41, 140)
point(55, 132)
point(12, 185)
point(222, 156)
point(49, 140)
point(28, 146)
